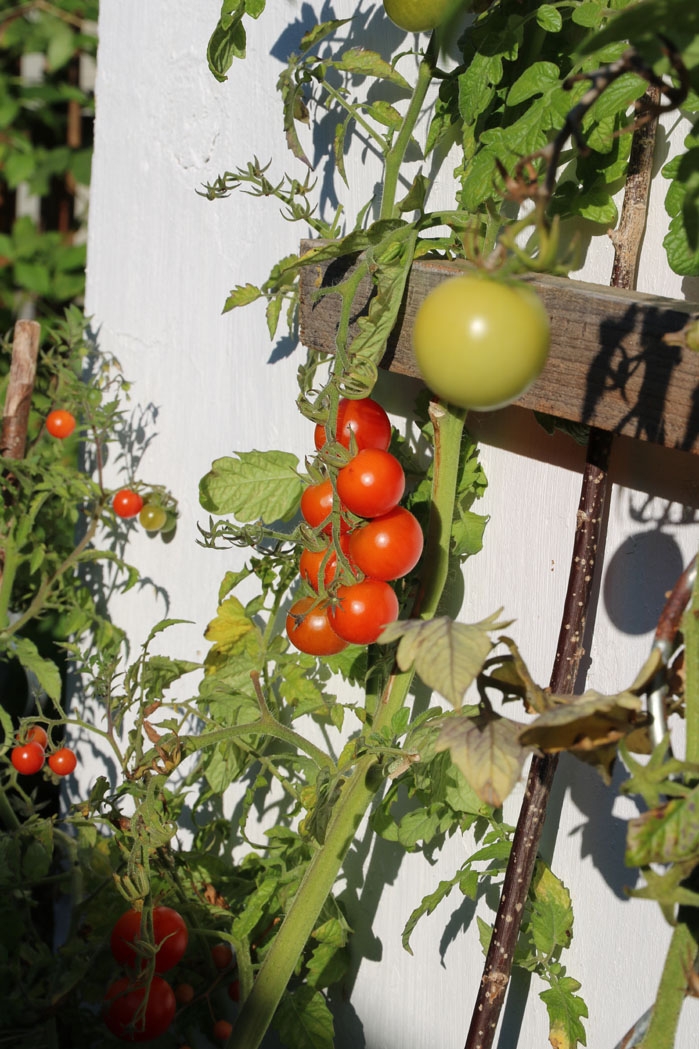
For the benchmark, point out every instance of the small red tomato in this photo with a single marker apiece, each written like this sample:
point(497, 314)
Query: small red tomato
point(311, 561)
point(222, 1030)
point(317, 504)
point(309, 629)
point(37, 734)
point(389, 546)
point(127, 503)
point(365, 419)
point(169, 934)
point(184, 993)
point(60, 423)
point(28, 758)
point(234, 991)
point(124, 1000)
point(363, 610)
point(371, 483)
point(63, 761)
point(222, 955)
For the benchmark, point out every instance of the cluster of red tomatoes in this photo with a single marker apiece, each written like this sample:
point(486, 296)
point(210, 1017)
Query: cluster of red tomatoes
point(126, 503)
point(379, 540)
point(137, 1009)
point(29, 757)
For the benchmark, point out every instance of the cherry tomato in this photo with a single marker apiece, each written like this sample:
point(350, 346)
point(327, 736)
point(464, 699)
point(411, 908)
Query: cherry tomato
point(169, 934)
point(152, 517)
point(311, 561)
point(222, 956)
point(234, 991)
point(416, 16)
point(123, 1001)
point(310, 631)
point(372, 483)
point(317, 504)
point(222, 1030)
point(37, 734)
point(127, 503)
point(480, 343)
point(365, 418)
point(184, 993)
point(28, 758)
point(389, 546)
point(363, 610)
point(60, 423)
point(63, 761)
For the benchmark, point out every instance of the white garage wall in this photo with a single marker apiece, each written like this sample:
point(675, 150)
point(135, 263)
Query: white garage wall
point(161, 262)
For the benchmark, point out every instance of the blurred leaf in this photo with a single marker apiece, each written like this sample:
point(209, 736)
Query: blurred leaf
point(667, 834)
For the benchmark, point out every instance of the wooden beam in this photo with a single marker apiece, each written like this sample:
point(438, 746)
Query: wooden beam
point(618, 360)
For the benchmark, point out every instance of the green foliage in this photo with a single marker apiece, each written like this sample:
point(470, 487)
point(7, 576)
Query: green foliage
point(45, 149)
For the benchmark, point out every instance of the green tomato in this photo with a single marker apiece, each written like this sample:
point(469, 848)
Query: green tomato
point(152, 517)
point(415, 16)
point(480, 343)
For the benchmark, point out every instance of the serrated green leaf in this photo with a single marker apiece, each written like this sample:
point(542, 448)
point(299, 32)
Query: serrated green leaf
point(486, 749)
point(241, 295)
point(46, 672)
point(320, 31)
point(254, 486)
point(551, 917)
point(160, 672)
point(228, 41)
point(446, 655)
point(535, 80)
point(361, 62)
point(428, 904)
point(565, 1010)
point(667, 834)
point(304, 1020)
point(467, 533)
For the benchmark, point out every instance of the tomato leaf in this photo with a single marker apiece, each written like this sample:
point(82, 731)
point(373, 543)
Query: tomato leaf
point(45, 671)
point(363, 62)
point(667, 834)
point(447, 655)
point(565, 1008)
point(304, 1020)
point(254, 486)
point(229, 625)
point(487, 750)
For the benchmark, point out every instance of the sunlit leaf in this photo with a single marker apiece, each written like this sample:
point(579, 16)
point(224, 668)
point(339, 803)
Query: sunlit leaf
point(667, 834)
point(254, 486)
point(487, 751)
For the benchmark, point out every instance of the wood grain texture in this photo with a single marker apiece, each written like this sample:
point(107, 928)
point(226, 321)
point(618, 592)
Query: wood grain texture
point(25, 350)
point(618, 359)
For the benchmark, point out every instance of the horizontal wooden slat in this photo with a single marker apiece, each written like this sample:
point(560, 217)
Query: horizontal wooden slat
point(617, 358)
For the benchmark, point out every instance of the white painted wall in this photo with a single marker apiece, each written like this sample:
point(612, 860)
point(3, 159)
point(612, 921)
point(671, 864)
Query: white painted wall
point(161, 262)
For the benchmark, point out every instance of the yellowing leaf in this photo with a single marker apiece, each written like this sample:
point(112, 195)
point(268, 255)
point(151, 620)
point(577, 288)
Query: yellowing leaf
point(487, 751)
point(586, 723)
point(229, 625)
point(446, 655)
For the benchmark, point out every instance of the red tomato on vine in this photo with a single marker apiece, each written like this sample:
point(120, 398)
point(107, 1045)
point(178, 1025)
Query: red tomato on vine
point(389, 546)
point(317, 504)
point(365, 418)
point(63, 761)
point(311, 561)
point(371, 483)
point(60, 423)
point(363, 610)
point(28, 758)
point(127, 503)
point(123, 1001)
point(169, 933)
point(310, 631)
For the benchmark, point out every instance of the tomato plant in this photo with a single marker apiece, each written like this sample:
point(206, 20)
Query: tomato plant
point(363, 420)
point(60, 423)
point(63, 761)
point(28, 758)
point(311, 562)
point(309, 629)
point(170, 937)
point(124, 1013)
point(152, 517)
point(388, 547)
point(480, 343)
point(372, 483)
point(127, 503)
point(363, 610)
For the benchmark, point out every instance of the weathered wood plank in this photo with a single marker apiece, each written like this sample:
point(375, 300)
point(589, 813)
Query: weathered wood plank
point(617, 358)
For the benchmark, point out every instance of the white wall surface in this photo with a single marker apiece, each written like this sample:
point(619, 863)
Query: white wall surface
point(161, 262)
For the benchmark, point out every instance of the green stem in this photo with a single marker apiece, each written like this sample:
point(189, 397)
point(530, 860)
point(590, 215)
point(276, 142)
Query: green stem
point(9, 563)
point(672, 990)
point(320, 876)
point(7, 814)
point(396, 154)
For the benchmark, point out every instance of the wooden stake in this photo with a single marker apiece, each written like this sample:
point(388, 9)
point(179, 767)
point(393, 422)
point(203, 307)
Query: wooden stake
point(15, 416)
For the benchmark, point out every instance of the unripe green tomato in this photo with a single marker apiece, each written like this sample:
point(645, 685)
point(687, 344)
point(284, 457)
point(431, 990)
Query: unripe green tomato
point(152, 517)
point(416, 16)
point(480, 343)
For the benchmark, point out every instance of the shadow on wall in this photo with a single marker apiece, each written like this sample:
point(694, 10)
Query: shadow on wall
point(637, 579)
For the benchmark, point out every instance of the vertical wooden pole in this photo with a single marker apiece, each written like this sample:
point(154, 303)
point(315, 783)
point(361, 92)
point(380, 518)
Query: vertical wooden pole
point(15, 416)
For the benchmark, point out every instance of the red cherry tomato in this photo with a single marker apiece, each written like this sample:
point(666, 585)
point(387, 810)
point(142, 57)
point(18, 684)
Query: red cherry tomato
point(222, 1030)
point(371, 483)
point(310, 631)
point(184, 993)
point(317, 504)
point(365, 419)
point(311, 561)
point(222, 955)
point(234, 991)
point(123, 1001)
point(389, 546)
point(37, 734)
point(28, 758)
point(60, 423)
point(363, 610)
point(169, 933)
point(63, 761)
point(127, 503)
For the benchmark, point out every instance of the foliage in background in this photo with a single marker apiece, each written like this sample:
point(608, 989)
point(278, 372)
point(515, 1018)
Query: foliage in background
point(45, 154)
